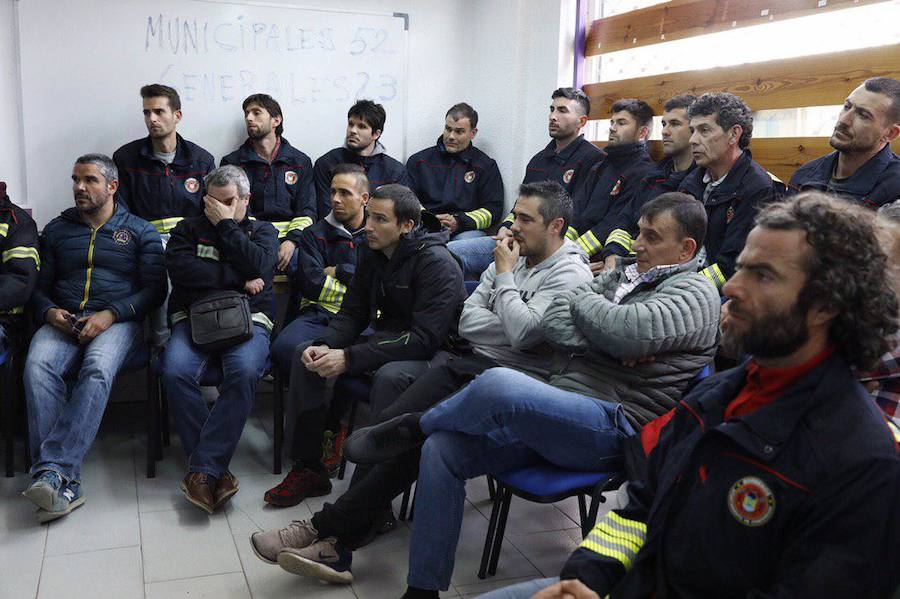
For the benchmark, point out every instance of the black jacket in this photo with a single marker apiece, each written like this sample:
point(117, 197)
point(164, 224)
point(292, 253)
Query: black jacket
point(282, 192)
point(625, 230)
point(611, 182)
point(326, 243)
point(162, 193)
point(730, 211)
point(20, 260)
point(380, 168)
point(203, 259)
point(875, 183)
point(412, 301)
point(465, 184)
point(570, 168)
point(797, 499)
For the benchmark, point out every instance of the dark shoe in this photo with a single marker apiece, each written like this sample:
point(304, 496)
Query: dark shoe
point(225, 489)
point(268, 544)
point(324, 559)
point(299, 484)
point(382, 442)
point(198, 489)
point(334, 452)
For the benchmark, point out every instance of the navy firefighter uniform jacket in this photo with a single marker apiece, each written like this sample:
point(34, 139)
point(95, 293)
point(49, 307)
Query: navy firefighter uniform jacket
point(380, 169)
point(281, 193)
point(465, 184)
point(874, 184)
point(162, 193)
point(795, 499)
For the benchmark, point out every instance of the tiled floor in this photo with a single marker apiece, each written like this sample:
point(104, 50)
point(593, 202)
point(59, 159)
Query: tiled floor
point(138, 537)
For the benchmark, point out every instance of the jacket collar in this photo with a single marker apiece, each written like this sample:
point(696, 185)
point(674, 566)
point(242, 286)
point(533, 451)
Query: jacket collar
point(119, 212)
point(182, 152)
point(864, 179)
point(550, 153)
point(729, 187)
point(246, 153)
point(626, 153)
point(339, 228)
point(464, 156)
point(765, 432)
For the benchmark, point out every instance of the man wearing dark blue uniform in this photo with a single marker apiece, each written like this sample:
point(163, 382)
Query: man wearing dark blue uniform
point(567, 160)
point(778, 478)
point(729, 183)
point(666, 176)
point(863, 168)
point(365, 124)
point(281, 183)
point(456, 181)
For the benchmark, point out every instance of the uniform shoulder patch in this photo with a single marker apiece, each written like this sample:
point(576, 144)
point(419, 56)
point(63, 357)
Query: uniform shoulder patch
point(192, 185)
point(751, 501)
point(469, 177)
point(290, 177)
point(122, 236)
point(567, 176)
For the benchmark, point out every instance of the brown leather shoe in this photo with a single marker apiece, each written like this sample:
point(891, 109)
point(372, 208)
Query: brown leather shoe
point(197, 490)
point(225, 489)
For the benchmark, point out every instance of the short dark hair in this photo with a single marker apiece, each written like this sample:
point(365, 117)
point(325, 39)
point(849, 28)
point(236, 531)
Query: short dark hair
point(406, 204)
point(554, 202)
point(688, 212)
point(104, 164)
point(683, 101)
point(573, 93)
point(890, 87)
point(158, 90)
point(370, 112)
point(270, 104)
point(730, 110)
point(845, 271)
point(639, 109)
point(463, 111)
point(358, 173)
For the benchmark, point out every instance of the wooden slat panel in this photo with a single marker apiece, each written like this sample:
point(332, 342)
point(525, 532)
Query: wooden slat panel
point(680, 19)
point(781, 156)
point(819, 80)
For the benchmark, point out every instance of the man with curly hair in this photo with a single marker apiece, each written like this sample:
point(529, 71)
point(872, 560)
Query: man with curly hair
point(778, 478)
point(727, 180)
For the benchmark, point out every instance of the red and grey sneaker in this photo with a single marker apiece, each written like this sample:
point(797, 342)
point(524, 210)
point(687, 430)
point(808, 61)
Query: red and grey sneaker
point(299, 484)
point(335, 452)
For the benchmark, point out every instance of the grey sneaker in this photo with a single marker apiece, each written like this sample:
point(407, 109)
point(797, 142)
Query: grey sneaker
point(44, 490)
point(69, 497)
point(324, 560)
point(296, 535)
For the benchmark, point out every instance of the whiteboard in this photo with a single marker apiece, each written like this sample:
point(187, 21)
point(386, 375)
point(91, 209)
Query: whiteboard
point(83, 63)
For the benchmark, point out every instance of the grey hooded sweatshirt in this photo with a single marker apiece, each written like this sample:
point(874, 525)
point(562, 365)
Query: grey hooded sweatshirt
point(502, 317)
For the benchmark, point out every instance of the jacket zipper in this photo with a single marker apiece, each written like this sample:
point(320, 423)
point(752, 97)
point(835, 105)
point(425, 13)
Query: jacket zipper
point(87, 282)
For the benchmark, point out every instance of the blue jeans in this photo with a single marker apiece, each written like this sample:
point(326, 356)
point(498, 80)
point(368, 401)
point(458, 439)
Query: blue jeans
point(472, 234)
point(209, 437)
point(501, 421)
point(307, 326)
point(61, 430)
point(474, 254)
point(523, 590)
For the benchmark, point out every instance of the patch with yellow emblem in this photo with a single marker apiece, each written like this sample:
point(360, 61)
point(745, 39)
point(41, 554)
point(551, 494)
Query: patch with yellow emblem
point(751, 501)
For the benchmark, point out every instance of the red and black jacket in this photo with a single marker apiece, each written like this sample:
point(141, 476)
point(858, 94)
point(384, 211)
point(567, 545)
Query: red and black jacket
point(796, 499)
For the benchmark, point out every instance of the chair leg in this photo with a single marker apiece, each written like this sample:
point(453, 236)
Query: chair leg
point(501, 529)
point(404, 503)
point(7, 400)
point(489, 538)
point(278, 418)
point(582, 512)
point(492, 488)
point(164, 417)
point(153, 449)
point(350, 422)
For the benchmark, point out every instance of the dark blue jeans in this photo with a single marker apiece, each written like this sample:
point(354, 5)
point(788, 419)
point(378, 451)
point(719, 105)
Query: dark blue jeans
point(209, 437)
point(501, 421)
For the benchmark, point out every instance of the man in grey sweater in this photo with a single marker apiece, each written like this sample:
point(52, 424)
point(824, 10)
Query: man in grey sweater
point(628, 343)
point(502, 321)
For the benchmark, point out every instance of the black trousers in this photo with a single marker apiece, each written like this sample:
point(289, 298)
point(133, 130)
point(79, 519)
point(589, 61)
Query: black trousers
point(307, 391)
point(356, 510)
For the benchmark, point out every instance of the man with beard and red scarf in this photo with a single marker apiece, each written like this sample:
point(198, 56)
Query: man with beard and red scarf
point(779, 478)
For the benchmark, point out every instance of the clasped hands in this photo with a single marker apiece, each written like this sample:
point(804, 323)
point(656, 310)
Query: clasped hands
point(324, 361)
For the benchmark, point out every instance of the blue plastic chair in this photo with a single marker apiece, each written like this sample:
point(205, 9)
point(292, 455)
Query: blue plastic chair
point(544, 483)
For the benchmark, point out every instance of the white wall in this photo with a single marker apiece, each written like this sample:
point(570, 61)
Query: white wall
point(502, 56)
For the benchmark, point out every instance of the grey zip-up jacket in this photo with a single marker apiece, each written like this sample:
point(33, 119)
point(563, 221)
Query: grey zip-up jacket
point(675, 320)
point(502, 317)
